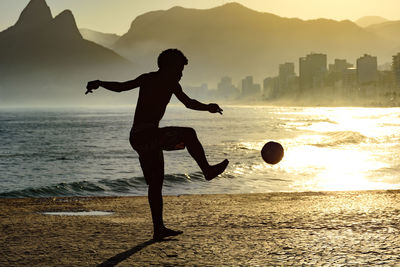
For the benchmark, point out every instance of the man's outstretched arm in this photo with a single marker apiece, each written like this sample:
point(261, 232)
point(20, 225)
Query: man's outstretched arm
point(194, 104)
point(114, 86)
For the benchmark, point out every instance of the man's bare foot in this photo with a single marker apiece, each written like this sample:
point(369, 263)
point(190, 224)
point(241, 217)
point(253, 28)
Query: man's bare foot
point(216, 170)
point(165, 232)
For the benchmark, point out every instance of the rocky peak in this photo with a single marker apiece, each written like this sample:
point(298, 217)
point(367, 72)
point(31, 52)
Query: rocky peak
point(35, 14)
point(66, 24)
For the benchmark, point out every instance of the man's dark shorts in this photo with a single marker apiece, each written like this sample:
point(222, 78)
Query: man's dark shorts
point(149, 141)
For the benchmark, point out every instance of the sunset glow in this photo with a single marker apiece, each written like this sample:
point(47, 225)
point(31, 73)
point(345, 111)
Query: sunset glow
point(100, 15)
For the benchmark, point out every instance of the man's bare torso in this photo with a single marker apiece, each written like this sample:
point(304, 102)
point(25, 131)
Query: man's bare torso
point(154, 95)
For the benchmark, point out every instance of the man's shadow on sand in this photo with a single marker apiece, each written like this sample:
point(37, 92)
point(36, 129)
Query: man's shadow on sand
point(126, 254)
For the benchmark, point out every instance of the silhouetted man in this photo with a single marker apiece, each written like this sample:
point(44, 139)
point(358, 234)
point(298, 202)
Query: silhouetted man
point(156, 89)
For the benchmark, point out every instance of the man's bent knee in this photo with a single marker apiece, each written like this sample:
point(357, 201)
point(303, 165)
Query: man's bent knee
point(189, 133)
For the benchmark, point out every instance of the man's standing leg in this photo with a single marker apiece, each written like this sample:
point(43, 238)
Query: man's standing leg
point(154, 175)
point(152, 163)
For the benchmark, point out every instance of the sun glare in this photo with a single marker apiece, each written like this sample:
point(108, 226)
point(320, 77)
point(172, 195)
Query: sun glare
point(337, 150)
point(334, 150)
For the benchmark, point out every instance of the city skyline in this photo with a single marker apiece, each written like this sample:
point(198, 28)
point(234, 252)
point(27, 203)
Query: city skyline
point(100, 15)
point(340, 80)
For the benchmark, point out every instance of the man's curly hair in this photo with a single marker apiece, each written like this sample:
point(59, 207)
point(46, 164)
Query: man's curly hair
point(171, 57)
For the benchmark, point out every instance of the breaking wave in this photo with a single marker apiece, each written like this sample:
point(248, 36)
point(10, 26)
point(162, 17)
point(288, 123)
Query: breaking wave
point(105, 187)
point(333, 139)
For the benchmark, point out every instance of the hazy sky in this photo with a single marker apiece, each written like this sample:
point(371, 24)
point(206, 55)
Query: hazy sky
point(117, 15)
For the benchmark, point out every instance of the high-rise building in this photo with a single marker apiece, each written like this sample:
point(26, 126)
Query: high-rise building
point(367, 70)
point(350, 79)
point(396, 69)
point(336, 73)
point(286, 76)
point(271, 87)
point(226, 89)
point(312, 70)
point(340, 66)
point(198, 92)
point(249, 87)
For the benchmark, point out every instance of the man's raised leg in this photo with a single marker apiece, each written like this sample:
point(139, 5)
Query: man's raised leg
point(196, 150)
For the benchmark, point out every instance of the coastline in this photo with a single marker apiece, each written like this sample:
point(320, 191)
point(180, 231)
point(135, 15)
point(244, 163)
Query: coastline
point(355, 227)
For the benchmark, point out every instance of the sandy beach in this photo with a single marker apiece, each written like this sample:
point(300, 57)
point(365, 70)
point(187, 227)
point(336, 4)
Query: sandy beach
point(333, 228)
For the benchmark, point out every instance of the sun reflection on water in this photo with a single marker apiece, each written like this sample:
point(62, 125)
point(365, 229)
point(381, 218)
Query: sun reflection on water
point(344, 148)
point(334, 169)
point(338, 149)
point(365, 121)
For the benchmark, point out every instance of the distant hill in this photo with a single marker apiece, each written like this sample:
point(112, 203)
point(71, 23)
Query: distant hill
point(236, 41)
point(389, 31)
point(40, 54)
point(46, 59)
point(104, 39)
point(370, 20)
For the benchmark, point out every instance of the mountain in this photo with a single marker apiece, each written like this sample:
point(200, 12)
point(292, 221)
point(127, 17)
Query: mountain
point(389, 31)
point(370, 20)
point(236, 41)
point(37, 38)
point(104, 39)
point(49, 56)
point(36, 14)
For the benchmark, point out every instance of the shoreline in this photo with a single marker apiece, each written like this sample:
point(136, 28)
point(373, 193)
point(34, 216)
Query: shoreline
point(200, 194)
point(309, 192)
point(285, 228)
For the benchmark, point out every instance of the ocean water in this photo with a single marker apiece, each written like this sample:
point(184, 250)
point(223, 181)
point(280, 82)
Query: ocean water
point(86, 152)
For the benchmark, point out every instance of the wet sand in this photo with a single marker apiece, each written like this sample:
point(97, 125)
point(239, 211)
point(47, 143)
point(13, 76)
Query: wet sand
point(344, 228)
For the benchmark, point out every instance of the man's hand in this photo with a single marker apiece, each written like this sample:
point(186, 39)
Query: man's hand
point(92, 85)
point(214, 108)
